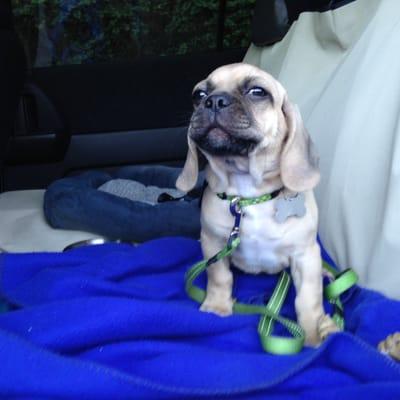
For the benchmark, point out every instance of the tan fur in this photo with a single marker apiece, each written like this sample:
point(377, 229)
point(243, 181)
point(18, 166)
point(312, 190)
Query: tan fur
point(283, 157)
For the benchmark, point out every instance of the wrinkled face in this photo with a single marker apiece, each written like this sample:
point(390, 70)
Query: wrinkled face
point(235, 109)
point(245, 124)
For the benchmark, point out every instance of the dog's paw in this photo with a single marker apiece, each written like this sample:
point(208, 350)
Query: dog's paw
point(221, 307)
point(326, 326)
point(391, 346)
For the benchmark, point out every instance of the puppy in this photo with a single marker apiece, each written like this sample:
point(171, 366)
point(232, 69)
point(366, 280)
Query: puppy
point(255, 142)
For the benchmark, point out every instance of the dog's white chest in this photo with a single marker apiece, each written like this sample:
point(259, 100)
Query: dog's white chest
point(255, 256)
point(266, 246)
point(261, 247)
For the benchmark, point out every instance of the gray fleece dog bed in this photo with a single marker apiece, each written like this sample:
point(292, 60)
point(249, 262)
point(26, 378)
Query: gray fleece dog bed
point(134, 203)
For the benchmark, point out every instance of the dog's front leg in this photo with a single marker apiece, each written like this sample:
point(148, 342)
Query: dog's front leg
point(219, 285)
point(307, 277)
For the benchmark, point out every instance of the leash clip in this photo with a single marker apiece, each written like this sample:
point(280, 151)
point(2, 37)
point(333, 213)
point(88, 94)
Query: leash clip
point(236, 211)
point(233, 235)
point(234, 206)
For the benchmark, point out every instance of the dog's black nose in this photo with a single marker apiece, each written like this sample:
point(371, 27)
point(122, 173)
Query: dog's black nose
point(218, 101)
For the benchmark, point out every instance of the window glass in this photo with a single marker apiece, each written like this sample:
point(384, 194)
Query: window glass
point(59, 32)
point(237, 23)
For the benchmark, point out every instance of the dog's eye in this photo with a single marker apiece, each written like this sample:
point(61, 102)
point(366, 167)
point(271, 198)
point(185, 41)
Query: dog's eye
point(258, 92)
point(198, 95)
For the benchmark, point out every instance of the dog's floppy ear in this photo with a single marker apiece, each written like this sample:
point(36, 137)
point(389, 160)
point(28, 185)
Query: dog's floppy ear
point(188, 177)
point(299, 162)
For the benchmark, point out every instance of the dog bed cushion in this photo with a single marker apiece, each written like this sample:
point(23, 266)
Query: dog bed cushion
point(107, 204)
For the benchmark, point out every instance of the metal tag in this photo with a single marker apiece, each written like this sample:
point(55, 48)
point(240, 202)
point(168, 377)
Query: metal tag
point(286, 207)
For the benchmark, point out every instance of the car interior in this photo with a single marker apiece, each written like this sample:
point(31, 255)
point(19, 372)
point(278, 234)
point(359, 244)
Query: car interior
point(95, 91)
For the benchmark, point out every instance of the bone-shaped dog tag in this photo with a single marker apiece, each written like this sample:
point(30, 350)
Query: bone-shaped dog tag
point(286, 207)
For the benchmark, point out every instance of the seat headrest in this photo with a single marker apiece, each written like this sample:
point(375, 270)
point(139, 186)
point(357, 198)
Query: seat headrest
point(272, 18)
point(270, 22)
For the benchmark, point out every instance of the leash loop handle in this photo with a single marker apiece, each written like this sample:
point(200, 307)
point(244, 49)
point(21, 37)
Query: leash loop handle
point(269, 313)
point(343, 281)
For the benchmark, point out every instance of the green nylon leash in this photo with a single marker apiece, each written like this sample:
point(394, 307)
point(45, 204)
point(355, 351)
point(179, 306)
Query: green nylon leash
point(270, 312)
point(341, 282)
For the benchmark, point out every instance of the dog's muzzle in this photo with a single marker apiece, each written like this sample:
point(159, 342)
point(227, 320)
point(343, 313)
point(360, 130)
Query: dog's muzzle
point(220, 127)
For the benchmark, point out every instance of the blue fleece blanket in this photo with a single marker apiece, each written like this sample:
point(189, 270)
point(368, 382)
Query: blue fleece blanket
point(113, 322)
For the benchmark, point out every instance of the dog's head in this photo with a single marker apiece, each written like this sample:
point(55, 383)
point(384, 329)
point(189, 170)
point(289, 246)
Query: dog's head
point(243, 122)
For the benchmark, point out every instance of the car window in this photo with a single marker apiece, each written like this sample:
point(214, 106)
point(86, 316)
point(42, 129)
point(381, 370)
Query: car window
point(63, 32)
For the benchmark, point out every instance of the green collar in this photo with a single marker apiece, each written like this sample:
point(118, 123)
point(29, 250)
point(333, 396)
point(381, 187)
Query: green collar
point(249, 201)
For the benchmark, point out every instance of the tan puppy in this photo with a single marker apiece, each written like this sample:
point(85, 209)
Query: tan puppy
point(255, 142)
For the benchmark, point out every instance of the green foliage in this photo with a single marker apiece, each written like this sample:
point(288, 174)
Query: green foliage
point(79, 31)
point(238, 23)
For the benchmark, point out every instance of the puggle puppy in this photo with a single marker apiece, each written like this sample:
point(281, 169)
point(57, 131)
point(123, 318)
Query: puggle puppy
point(255, 142)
